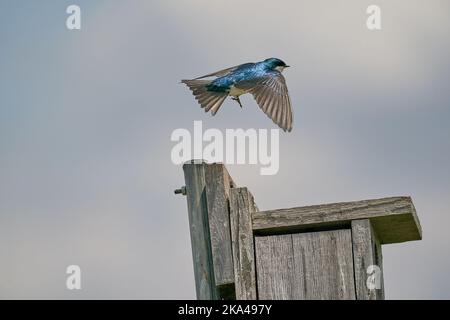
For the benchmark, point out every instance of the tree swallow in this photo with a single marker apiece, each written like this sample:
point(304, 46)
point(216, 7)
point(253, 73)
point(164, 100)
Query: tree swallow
point(262, 79)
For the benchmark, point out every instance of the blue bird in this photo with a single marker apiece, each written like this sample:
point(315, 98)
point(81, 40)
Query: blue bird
point(261, 79)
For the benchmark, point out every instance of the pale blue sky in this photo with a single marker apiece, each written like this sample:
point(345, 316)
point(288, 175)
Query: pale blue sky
point(86, 118)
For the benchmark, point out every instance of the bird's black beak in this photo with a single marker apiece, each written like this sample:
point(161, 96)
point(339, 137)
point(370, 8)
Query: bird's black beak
point(286, 66)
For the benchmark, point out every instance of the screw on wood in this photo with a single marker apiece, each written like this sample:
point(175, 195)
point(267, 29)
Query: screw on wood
point(182, 191)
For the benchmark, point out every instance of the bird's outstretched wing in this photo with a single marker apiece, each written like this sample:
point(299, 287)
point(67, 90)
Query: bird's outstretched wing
point(272, 96)
point(224, 72)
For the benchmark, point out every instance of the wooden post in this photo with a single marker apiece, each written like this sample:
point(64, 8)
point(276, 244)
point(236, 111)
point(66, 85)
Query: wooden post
point(194, 175)
point(207, 190)
point(328, 251)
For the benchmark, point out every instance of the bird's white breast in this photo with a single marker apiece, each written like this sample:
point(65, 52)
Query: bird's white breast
point(235, 92)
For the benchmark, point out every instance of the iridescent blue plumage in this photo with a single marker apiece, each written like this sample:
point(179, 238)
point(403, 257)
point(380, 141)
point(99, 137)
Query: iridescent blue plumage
point(243, 72)
point(262, 79)
point(247, 72)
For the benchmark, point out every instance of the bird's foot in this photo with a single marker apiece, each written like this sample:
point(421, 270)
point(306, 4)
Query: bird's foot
point(238, 100)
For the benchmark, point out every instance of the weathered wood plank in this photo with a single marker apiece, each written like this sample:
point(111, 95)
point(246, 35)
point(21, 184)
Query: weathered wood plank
point(379, 262)
point(217, 196)
point(194, 174)
point(394, 219)
point(325, 261)
point(366, 252)
point(315, 265)
point(277, 279)
point(241, 210)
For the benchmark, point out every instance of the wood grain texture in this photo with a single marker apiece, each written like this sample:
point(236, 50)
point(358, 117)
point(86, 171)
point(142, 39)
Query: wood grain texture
point(313, 252)
point(241, 210)
point(275, 269)
point(394, 219)
point(366, 252)
point(326, 262)
point(316, 265)
point(194, 174)
point(217, 197)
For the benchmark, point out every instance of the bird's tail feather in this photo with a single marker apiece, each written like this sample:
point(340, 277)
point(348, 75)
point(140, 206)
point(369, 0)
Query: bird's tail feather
point(209, 100)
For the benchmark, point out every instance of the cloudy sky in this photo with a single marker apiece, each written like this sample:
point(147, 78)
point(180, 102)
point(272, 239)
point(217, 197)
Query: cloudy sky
point(86, 117)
